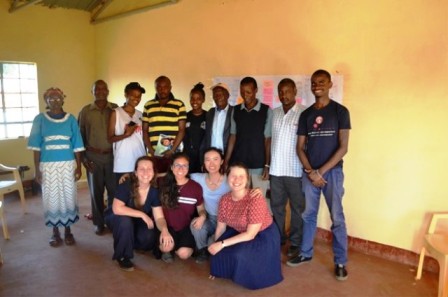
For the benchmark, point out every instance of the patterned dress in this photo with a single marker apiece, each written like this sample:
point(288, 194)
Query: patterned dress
point(253, 264)
point(57, 140)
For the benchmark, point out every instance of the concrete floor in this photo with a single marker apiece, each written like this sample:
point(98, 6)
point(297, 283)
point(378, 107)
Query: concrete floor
point(33, 268)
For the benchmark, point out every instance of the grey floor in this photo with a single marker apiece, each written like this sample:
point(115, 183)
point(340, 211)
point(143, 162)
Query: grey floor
point(32, 268)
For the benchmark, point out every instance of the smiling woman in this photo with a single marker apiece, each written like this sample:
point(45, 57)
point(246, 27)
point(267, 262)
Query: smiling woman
point(56, 141)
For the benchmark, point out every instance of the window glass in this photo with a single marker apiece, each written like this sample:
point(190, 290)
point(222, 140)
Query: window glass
point(19, 101)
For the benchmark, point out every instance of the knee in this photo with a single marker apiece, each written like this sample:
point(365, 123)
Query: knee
point(184, 253)
point(122, 224)
point(166, 248)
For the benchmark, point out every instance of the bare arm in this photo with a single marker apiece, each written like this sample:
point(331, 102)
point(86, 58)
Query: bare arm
point(198, 222)
point(111, 137)
point(146, 141)
point(38, 174)
point(120, 209)
point(230, 147)
point(78, 171)
point(250, 233)
point(343, 136)
point(165, 236)
point(179, 137)
point(267, 157)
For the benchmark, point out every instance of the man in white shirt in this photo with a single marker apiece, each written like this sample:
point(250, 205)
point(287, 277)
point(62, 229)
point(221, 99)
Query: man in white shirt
point(286, 169)
point(217, 125)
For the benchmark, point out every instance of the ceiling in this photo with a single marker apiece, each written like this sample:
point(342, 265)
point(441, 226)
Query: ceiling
point(100, 10)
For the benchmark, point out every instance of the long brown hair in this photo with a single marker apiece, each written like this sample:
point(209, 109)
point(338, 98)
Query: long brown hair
point(169, 193)
point(134, 180)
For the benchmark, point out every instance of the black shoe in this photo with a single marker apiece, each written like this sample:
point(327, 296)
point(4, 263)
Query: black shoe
point(99, 230)
point(298, 260)
point(293, 251)
point(340, 272)
point(202, 256)
point(126, 264)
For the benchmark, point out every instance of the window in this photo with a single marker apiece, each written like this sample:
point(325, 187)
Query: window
point(19, 102)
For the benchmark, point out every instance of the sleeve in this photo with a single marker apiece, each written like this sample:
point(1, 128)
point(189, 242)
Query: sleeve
point(77, 142)
point(268, 124)
point(35, 139)
point(200, 196)
point(145, 115)
point(123, 193)
point(257, 210)
point(222, 210)
point(301, 130)
point(344, 118)
point(232, 121)
point(82, 124)
point(154, 197)
point(182, 111)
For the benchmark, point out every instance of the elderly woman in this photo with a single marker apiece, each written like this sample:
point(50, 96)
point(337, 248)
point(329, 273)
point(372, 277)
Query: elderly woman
point(57, 143)
point(247, 247)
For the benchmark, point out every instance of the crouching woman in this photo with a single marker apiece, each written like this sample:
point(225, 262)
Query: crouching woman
point(136, 211)
point(247, 247)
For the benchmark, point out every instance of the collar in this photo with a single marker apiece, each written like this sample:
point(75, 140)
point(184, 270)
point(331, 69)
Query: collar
point(256, 107)
point(225, 109)
point(94, 106)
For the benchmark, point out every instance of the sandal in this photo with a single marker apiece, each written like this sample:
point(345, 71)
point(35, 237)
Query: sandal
point(55, 240)
point(69, 239)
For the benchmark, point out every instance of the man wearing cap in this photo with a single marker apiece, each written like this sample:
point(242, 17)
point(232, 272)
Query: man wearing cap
point(163, 115)
point(217, 127)
point(98, 158)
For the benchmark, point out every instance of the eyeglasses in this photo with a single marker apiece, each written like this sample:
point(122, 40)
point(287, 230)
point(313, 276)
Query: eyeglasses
point(54, 99)
point(180, 166)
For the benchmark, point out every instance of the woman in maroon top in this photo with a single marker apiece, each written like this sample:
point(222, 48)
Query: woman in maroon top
point(247, 247)
point(181, 200)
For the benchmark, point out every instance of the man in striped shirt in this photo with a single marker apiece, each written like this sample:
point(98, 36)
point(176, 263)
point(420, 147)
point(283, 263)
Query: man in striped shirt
point(163, 115)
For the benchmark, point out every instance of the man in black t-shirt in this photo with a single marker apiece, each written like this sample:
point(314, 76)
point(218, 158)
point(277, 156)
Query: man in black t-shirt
point(322, 143)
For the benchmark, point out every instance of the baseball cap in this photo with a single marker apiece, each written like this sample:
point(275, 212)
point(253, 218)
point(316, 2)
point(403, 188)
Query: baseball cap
point(221, 85)
point(134, 86)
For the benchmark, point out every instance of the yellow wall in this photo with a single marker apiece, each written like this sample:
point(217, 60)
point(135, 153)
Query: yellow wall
point(61, 42)
point(392, 54)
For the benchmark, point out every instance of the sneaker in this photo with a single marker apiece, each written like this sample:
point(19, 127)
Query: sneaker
point(167, 258)
point(293, 251)
point(126, 264)
point(340, 272)
point(202, 256)
point(298, 260)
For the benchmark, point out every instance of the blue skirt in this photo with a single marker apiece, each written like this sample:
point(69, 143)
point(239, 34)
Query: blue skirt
point(254, 264)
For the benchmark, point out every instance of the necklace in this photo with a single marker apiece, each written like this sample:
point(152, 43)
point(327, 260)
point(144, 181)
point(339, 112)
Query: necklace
point(212, 183)
point(182, 186)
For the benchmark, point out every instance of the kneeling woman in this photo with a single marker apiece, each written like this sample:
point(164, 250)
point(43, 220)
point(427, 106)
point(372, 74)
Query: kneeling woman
point(181, 199)
point(247, 247)
point(136, 209)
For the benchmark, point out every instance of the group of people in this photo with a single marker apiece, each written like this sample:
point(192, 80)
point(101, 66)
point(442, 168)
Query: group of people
point(204, 193)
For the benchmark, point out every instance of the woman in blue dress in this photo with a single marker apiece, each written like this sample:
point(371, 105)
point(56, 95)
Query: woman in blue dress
point(56, 141)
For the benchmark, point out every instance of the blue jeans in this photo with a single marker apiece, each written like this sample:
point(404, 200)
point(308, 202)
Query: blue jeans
point(333, 192)
point(203, 236)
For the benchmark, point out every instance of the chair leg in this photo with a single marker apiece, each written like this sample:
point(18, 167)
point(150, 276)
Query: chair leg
point(443, 278)
point(5, 227)
point(420, 263)
point(22, 200)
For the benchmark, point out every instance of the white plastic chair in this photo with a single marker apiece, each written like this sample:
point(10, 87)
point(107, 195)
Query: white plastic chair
point(8, 186)
point(437, 245)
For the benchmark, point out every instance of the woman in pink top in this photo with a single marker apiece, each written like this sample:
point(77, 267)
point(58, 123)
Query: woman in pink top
point(247, 246)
